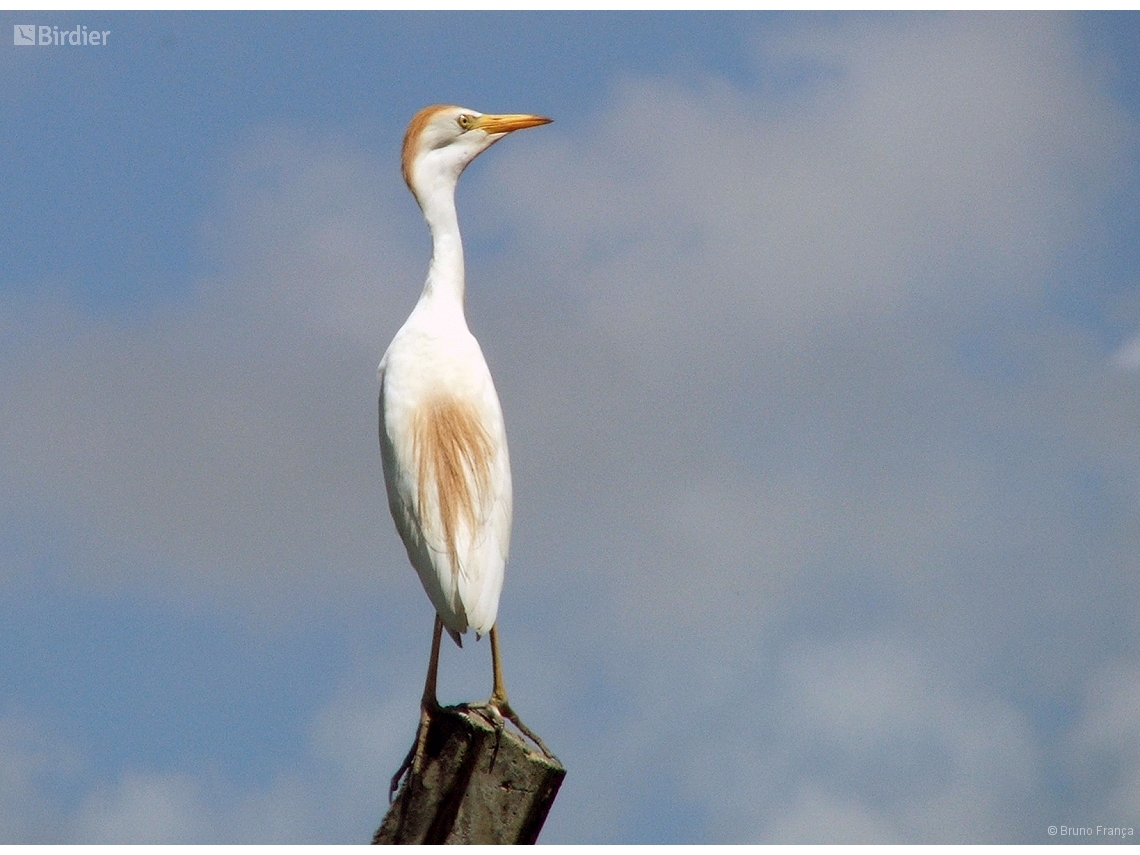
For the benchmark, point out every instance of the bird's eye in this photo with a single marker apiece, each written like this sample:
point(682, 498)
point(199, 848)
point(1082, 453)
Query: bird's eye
point(464, 122)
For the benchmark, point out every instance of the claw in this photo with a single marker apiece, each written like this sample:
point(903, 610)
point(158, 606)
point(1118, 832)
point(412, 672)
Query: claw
point(496, 711)
point(514, 719)
point(500, 707)
point(413, 763)
point(428, 706)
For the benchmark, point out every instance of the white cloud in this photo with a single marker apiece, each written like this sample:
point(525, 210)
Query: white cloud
point(221, 450)
point(335, 791)
point(908, 743)
point(144, 808)
point(816, 818)
point(29, 763)
point(946, 161)
point(1127, 355)
point(1105, 747)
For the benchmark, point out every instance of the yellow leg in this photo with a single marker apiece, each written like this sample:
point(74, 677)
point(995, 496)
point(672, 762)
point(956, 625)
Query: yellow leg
point(429, 704)
point(429, 699)
point(499, 703)
point(499, 688)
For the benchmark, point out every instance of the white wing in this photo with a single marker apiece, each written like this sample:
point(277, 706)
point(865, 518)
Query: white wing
point(447, 471)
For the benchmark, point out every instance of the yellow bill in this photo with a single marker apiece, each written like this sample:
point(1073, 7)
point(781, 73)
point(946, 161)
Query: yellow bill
point(507, 122)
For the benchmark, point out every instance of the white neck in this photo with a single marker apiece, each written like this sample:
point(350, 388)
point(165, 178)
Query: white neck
point(443, 290)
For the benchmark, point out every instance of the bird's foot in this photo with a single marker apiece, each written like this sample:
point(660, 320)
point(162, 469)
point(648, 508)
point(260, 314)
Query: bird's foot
point(414, 761)
point(496, 710)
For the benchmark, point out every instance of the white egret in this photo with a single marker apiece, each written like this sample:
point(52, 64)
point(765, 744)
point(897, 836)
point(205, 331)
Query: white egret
point(442, 439)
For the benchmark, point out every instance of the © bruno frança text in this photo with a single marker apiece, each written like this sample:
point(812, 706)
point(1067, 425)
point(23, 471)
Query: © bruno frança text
point(1091, 831)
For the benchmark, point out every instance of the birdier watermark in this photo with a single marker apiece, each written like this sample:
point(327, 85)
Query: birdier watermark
point(1092, 832)
point(36, 35)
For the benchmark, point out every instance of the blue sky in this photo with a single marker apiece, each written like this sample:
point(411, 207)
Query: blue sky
point(817, 341)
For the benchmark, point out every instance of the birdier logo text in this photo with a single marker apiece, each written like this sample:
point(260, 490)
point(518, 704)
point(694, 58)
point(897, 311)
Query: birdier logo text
point(31, 34)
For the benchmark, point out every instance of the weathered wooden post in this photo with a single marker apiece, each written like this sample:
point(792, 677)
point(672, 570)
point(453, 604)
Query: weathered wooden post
point(475, 785)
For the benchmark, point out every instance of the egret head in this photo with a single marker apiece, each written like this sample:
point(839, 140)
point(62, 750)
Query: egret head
point(442, 140)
